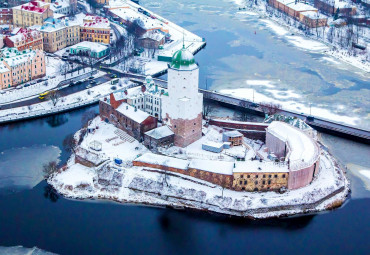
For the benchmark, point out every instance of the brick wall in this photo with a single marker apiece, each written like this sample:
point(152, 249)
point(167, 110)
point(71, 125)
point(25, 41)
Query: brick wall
point(186, 131)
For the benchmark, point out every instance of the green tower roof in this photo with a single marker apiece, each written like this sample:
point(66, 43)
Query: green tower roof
point(183, 59)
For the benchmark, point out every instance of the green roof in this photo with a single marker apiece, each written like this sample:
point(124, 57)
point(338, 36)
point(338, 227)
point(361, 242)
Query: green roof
point(183, 59)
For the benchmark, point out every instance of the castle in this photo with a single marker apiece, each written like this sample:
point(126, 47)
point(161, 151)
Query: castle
point(179, 107)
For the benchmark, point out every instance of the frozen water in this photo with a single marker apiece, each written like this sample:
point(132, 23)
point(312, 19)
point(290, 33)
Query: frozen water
point(21, 168)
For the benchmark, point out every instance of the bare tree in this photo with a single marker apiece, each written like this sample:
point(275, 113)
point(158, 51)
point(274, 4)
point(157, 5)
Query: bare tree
point(69, 143)
point(54, 96)
point(49, 168)
point(208, 109)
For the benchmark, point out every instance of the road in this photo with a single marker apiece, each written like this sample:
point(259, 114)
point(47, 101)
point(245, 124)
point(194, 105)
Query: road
point(63, 92)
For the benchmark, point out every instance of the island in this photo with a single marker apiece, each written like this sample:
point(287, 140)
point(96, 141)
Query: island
point(154, 146)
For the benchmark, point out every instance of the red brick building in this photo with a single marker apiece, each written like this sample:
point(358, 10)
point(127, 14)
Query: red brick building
point(126, 117)
point(25, 39)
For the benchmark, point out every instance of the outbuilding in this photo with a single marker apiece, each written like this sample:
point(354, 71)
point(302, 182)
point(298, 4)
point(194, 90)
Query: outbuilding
point(234, 137)
point(159, 137)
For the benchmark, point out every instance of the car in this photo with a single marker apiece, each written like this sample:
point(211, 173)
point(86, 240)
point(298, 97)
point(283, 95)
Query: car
point(26, 85)
point(88, 86)
point(2, 92)
point(72, 83)
point(78, 82)
point(92, 82)
point(33, 82)
point(113, 76)
point(52, 77)
point(91, 77)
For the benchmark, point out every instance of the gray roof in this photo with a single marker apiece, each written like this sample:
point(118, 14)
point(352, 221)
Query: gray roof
point(160, 132)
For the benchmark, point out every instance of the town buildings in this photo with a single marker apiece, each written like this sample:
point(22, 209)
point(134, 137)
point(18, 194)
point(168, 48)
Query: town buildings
point(54, 35)
point(303, 12)
point(30, 14)
point(6, 16)
point(17, 67)
point(25, 38)
point(95, 29)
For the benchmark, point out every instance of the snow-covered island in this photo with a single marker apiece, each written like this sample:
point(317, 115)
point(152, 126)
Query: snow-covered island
point(152, 146)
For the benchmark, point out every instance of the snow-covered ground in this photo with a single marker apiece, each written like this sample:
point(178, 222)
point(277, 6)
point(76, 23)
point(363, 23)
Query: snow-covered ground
point(129, 184)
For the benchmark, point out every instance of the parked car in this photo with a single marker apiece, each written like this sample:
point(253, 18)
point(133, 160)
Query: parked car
point(19, 87)
point(26, 85)
point(88, 86)
point(113, 76)
point(78, 82)
point(92, 82)
point(91, 77)
point(33, 82)
point(72, 83)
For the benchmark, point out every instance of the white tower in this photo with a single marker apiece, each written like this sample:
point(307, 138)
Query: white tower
point(184, 105)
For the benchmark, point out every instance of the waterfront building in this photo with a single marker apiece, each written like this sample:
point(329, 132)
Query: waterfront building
point(182, 109)
point(30, 14)
point(18, 67)
point(331, 7)
point(95, 29)
point(25, 38)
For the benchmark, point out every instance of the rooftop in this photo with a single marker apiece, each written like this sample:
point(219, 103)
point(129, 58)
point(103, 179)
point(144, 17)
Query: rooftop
point(93, 46)
point(233, 133)
point(156, 159)
point(219, 167)
point(160, 132)
point(131, 112)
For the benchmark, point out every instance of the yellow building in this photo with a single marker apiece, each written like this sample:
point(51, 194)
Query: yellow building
point(30, 14)
point(95, 29)
point(73, 34)
point(259, 176)
point(102, 1)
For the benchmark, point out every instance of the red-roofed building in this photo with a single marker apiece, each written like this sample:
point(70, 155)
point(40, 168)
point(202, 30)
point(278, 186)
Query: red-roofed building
point(32, 13)
point(25, 39)
point(95, 29)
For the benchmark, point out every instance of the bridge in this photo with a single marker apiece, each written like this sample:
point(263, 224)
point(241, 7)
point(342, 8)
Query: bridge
point(320, 124)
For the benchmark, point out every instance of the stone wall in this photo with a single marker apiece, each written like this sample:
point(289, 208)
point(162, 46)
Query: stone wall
point(186, 131)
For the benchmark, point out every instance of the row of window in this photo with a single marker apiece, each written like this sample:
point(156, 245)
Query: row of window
point(263, 176)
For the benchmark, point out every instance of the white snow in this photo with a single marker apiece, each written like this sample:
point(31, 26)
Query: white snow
point(131, 112)
point(255, 166)
point(160, 132)
point(156, 159)
point(307, 44)
point(77, 174)
point(213, 166)
point(365, 173)
point(276, 28)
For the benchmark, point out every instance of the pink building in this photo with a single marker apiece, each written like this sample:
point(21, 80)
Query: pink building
point(292, 145)
point(18, 67)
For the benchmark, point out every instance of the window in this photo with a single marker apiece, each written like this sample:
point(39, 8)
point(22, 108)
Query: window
point(256, 182)
point(263, 182)
point(264, 176)
point(245, 182)
point(283, 175)
point(241, 176)
point(269, 175)
point(248, 176)
point(269, 182)
point(256, 175)
point(275, 175)
point(240, 182)
point(174, 126)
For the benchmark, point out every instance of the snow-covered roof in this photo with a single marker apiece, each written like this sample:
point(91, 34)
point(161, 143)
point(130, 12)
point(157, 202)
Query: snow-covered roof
point(59, 4)
point(314, 15)
point(154, 35)
point(213, 144)
point(233, 133)
point(302, 148)
point(255, 166)
point(51, 25)
point(95, 22)
point(297, 6)
point(160, 132)
point(93, 46)
point(23, 34)
point(156, 159)
point(213, 166)
point(130, 14)
point(33, 6)
point(132, 113)
point(13, 57)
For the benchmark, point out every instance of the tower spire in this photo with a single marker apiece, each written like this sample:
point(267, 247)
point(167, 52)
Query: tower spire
point(183, 39)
